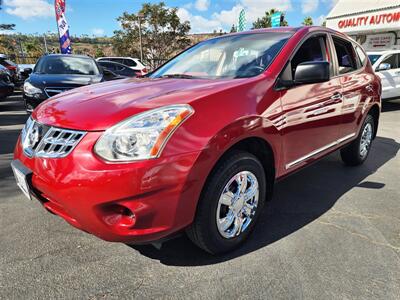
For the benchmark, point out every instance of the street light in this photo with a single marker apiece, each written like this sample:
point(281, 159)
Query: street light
point(140, 17)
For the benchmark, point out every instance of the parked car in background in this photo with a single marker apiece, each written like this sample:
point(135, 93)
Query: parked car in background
point(133, 63)
point(56, 73)
point(10, 66)
point(117, 68)
point(198, 144)
point(22, 75)
point(6, 85)
point(387, 65)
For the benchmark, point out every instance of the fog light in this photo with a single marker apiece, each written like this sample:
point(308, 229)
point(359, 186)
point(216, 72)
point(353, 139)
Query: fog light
point(120, 216)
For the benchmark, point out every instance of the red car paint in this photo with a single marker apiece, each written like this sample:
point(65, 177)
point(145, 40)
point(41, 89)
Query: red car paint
point(163, 193)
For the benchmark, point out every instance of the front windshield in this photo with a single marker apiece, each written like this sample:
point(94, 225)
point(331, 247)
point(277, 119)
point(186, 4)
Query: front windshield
point(66, 65)
point(373, 57)
point(237, 56)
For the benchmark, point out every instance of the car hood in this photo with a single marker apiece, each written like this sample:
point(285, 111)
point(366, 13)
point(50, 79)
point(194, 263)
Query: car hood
point(62, 80)
point(100, 106)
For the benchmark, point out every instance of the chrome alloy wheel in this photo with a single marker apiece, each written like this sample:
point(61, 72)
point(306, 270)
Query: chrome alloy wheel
point(366, 140)
point(237, 204)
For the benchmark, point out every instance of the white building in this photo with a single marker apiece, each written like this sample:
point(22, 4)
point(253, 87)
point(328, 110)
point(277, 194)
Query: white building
point(373, 23)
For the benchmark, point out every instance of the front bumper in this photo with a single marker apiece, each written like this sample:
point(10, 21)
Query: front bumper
point(32, 101)
point(84, 190)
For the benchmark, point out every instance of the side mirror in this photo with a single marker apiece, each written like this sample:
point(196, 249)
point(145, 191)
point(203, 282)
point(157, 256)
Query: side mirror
point(384, 67)
point(27, 71)
point(312, 72)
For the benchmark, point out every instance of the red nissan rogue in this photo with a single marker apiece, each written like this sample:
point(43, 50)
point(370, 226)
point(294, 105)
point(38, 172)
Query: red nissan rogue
point(198, 144)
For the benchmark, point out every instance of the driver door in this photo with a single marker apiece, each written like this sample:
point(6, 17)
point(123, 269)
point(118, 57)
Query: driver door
point(312, 111)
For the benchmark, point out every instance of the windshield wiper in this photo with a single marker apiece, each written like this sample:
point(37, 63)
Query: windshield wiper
point(183, 76)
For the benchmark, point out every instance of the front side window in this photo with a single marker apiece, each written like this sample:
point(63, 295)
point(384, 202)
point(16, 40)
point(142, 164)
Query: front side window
point(236, 56)
point(392, 60)
point(66, 65)
point(109, 66)
point(345, 55)
point(313, 49)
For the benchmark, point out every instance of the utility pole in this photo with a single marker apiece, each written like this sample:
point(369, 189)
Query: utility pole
point(140, 16)
point(45, 44)
point(22, 50)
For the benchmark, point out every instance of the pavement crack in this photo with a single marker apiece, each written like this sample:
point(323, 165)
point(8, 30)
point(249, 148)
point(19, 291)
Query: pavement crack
point(388, 245)
point(363, 216)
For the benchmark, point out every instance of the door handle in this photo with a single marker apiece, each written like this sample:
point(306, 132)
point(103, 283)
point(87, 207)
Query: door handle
point(336, 98)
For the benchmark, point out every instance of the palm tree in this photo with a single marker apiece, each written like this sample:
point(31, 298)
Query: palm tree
point(308, 21)
point(265, 21)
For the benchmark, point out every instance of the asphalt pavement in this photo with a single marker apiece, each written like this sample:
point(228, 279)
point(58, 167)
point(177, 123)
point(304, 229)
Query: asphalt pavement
point(331, 232)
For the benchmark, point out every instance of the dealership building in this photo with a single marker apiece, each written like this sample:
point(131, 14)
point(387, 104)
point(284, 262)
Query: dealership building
point(375, 24)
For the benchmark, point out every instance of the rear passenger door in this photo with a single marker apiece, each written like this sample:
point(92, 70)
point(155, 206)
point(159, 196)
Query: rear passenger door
point(390, 78)
point(356, 83)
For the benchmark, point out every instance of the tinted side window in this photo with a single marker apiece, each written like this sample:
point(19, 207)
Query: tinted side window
point(118, 60)
point(128, 72)
point(109, 66)
point(313, 49)
point(129, 63)
point(361, 55)
point(392, 60)
point(345, 55)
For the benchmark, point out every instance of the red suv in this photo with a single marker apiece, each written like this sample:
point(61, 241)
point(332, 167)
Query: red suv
point(199, 143)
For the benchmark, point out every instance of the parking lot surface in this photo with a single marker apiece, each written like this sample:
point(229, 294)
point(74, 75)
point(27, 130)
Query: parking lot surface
point(331, 232)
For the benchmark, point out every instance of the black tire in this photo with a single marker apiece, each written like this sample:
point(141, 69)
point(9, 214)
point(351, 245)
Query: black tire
point(351, 154)
point(203, 231)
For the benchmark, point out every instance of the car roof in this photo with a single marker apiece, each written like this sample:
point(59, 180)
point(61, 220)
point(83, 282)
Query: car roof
point(119, 57)
point(111, 62)
point(67, 55)
point(383, 52)
point(289, 29)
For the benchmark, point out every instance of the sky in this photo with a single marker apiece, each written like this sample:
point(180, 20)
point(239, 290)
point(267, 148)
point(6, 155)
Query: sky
point(98, 17)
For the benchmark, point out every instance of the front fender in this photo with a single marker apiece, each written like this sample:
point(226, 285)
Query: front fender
point(216, 147)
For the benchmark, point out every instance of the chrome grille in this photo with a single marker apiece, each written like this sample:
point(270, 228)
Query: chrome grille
point(50, 92)
point(44, 141)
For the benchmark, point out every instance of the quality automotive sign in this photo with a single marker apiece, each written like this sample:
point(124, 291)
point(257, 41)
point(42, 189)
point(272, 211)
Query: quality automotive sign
point(388, 19)
point(63, 27)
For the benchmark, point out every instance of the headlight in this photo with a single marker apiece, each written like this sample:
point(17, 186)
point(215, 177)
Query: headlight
point(142, 136)
point(30, 89)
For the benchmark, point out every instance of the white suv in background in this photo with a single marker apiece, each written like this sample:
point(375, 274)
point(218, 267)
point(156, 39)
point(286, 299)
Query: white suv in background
point(387, 65)
point(133, 63)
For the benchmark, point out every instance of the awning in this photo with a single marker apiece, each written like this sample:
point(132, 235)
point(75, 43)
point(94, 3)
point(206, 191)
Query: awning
point(364, 16)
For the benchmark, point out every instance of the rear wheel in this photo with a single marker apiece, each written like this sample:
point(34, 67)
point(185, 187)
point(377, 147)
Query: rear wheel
point(231, 202)
point(357, 151)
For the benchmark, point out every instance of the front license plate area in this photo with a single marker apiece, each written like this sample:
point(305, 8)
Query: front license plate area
point(22, 175)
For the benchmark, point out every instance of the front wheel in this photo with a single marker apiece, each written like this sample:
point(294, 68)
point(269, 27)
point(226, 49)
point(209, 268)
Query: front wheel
point(357, 151)
point(231, 202)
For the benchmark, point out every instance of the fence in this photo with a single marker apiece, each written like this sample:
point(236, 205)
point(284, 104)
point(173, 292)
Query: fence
point(24, 59)
point(151, 63)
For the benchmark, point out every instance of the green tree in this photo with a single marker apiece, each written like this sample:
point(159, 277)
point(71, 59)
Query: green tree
point(163, 33)
point(265, 21)
point(233, 28)
point(308, 21)
point(33, 48)
point(99, 51)
point(323, 23)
